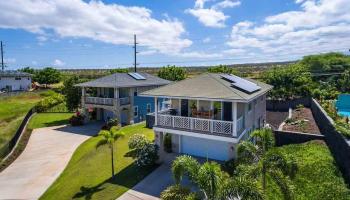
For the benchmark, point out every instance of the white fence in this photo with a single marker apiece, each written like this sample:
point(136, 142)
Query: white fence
point(99, 101)
point(197, 124)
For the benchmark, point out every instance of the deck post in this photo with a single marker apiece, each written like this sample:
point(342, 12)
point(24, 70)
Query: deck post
point(234, 119)
point(155, 111)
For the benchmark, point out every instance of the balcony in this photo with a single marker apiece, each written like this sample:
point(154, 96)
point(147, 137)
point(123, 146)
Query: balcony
point(99, 101)
point(205, 126)
point(124, 101)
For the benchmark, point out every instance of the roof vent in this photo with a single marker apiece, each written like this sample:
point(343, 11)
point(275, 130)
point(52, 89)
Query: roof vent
point(136, 76)
point(241, 83)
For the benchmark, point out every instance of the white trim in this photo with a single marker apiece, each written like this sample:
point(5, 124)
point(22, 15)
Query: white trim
point(206, 99)
point(199, 135)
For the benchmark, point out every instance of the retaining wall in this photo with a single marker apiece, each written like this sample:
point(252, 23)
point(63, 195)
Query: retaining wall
point(336, 142)
point(288, 137)
point(281, 105)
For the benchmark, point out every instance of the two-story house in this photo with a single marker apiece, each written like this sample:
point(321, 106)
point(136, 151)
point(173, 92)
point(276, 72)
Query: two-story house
point(15, 81)
point(209, 114)
point(117, 96)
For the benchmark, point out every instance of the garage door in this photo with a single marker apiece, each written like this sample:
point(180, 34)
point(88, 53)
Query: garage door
point(212, 149)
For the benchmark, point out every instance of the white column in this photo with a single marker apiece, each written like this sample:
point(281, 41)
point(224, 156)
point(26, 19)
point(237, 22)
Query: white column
point(234, 118)
point(212, 109)
point(155, 111)
point(82, 96)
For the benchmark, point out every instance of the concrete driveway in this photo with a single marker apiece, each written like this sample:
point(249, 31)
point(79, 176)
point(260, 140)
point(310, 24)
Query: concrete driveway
point(151, 187)
point(45, 157)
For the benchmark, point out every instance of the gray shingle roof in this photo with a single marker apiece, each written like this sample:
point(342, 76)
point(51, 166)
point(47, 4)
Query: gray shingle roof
point(13, 73)
point(120, 80)
point(207, 86)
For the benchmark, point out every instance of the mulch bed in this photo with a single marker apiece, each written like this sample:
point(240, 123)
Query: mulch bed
point(275, 118)
point(307, 126)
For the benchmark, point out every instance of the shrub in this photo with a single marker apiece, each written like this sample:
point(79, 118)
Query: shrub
point(343, 128)
point(77, 119)
point(177, 192)
point(49, 102)
point(172, 73)
point(167, 143)
point(145, 151)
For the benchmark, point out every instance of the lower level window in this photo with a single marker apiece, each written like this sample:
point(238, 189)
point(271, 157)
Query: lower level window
point(136, 111)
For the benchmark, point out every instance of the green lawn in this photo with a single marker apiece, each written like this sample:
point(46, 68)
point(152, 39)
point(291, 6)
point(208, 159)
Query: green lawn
point(12, 111)
point(88, 174)
point(317, 177)
point(48, 119)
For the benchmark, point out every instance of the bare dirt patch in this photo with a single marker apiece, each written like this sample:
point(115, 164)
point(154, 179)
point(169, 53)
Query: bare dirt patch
point(275, 118)
point(302, 121)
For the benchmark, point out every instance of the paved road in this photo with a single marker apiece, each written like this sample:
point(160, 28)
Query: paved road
point(45, 157)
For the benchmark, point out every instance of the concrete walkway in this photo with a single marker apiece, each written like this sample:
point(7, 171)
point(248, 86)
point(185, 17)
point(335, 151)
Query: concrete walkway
point(45, 157)
point(151, 187)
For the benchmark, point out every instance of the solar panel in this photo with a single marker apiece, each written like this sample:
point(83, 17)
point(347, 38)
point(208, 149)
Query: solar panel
point(137, 76)
point(241, 83)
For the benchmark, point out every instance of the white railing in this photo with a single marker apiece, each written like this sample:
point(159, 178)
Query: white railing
point(197, 124)
point(124, 101)
point(99, 101)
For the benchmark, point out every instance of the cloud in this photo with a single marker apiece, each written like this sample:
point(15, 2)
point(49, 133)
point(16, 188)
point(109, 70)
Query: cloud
point(319, 26)
point(206, 40)
point(58, 63)
point(109, 23)
point(213, 16)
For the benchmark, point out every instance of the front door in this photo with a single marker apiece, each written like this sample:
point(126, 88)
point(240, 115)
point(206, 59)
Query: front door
point(184, 107)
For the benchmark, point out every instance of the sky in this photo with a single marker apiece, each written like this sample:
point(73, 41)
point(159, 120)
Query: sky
point(99, 34)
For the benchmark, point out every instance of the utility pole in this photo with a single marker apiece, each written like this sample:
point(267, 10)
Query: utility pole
point(135, 52)
point(2, 58)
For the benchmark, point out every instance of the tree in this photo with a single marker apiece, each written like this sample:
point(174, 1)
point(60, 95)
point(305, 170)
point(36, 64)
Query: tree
point(289, 82)
point(344, 82)
point(28, 70)
point(119, 70)
point(223, 69)
point(172, 73)
point(332, 61)
point(72, 93)
point(144, 150)
point(108, 138)
point(266, 161)
point(212, 181)
point(48, 76)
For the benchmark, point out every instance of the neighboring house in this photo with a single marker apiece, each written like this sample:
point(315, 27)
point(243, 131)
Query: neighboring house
point(15, 81)
point(210, 114)
point(116, 96)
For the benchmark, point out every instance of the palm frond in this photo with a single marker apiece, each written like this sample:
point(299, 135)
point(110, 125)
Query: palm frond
point(101, 143)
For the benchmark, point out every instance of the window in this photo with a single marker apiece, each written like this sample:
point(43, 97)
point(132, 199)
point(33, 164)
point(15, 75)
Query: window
point(17, 78)
point(136, 111)
point(135, 92)
point(249, 107)
point(148, 108)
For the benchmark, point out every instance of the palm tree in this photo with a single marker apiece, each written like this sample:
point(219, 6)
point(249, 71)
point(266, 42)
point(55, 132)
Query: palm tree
point(108, 138)
point(214, 183)
point(240, 187)
point(267, 161)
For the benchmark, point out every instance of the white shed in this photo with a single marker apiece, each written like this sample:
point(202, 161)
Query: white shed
point(15, 81)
